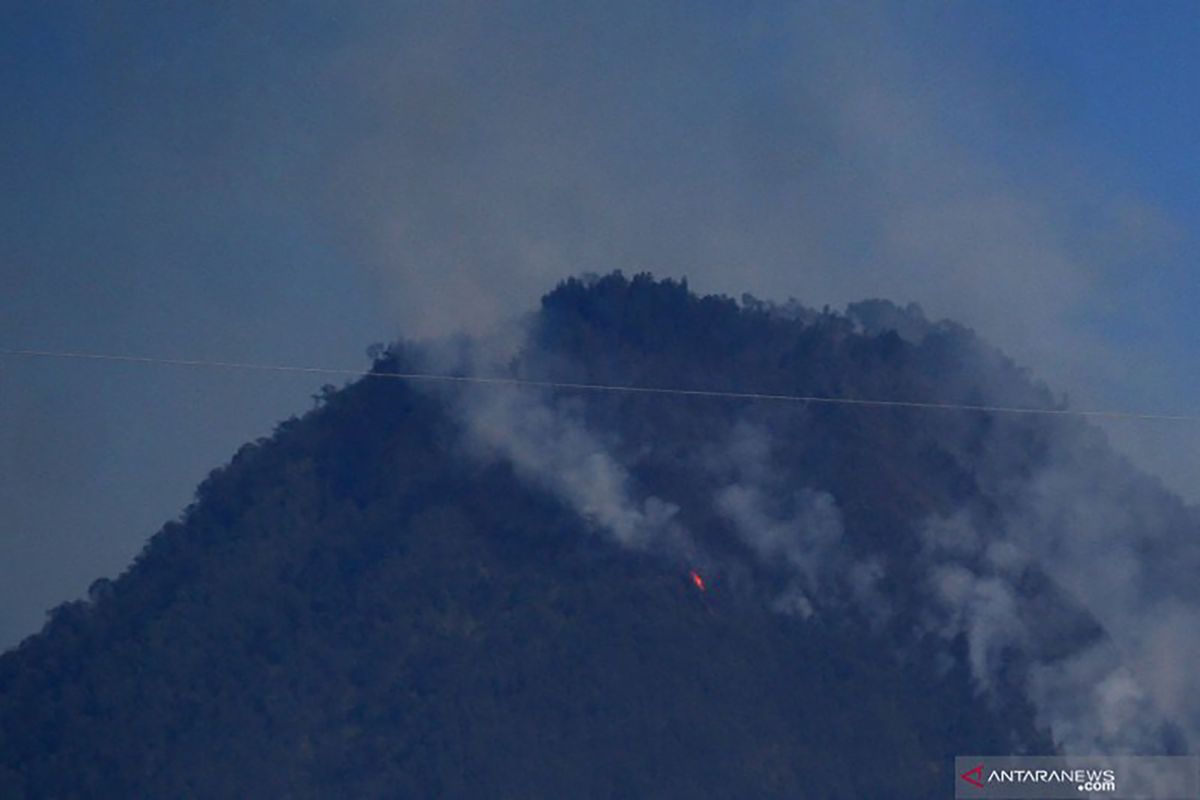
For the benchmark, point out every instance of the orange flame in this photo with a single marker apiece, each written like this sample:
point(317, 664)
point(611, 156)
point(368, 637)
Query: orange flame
point(696, 579)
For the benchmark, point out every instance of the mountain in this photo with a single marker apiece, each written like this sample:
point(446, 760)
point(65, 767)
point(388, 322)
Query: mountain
point(453, 589)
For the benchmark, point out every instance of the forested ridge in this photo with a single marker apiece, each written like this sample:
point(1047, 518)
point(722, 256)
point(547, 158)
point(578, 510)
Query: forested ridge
point(411, 591)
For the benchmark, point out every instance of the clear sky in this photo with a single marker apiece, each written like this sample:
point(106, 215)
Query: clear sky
point(290, 182)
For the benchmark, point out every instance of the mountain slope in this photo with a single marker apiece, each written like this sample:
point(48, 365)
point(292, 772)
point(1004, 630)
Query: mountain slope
point(474, 591)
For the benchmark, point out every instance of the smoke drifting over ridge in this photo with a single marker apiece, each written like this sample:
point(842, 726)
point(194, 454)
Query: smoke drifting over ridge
point(809, 151)
point(1121, 548)
point(285, 184)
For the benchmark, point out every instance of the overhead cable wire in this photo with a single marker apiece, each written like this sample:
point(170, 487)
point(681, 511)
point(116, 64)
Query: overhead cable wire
point(598, 387)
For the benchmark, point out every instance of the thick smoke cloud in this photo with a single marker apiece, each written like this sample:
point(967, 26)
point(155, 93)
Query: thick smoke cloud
point(545, 438)
point(809, 151)
point(1129, 553)
point(548, 442)
point(1123, 551)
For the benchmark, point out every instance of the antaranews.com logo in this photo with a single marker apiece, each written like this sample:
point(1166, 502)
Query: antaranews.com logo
point(1088, 780)
point(1052, 777)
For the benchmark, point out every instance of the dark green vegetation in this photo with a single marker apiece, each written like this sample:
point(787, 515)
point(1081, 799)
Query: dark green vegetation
point(360, 606)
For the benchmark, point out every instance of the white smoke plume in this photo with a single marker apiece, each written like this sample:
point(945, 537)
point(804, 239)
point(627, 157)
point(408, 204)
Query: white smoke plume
point(1123, 550)
point(548, 442)
point(798, 530)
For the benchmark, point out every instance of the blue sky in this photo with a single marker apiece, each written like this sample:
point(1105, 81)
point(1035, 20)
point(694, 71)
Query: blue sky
point(1128, 83)
point(290, 182)
point(1130, 74)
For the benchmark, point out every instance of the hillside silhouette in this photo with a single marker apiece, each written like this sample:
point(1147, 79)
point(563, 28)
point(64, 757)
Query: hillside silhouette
point(455, 590)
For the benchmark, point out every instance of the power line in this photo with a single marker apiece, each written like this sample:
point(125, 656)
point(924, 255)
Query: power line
point(597, 387)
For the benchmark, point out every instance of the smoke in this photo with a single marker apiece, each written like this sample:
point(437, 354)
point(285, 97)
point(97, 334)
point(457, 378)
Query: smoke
point(795, 530)
point(548, 442)
point(1128, 552)
point(545, 438)
point(796, 533)
point(986, 609)
point(1122, 550)
point(1094, 704)
point(792, 531)
point(805, 151)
